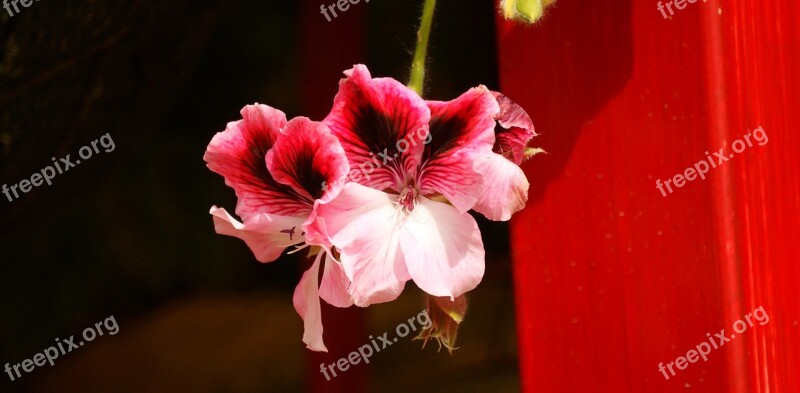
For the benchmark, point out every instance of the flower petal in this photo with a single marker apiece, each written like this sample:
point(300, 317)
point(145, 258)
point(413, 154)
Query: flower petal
point(315, 231)
point(306, 303)
point(381, 124)
point(333, 288)
point(239, 154)
point(514, 129)
point(308, 158)
point(462, 131)
point(362, 223)
point(266, 235)
point(505, 190)
point(443, 249)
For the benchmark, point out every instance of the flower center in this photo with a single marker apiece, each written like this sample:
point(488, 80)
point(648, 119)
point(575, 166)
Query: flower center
point(407, 199)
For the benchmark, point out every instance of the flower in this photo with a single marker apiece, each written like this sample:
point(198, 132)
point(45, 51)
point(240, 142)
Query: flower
point(408, 220)
point(402, 214)
point(276, 169)
point(505, 185)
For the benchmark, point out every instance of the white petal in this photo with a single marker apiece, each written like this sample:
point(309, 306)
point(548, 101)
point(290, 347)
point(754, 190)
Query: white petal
point(443, 249)
point(505, 189)
point(306, 303)
point(363, 224)
point(335, 283)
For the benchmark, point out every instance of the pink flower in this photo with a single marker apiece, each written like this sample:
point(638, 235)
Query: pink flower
point(276, 169)
point(407, 219)
point(418, 167)
point(505, 185)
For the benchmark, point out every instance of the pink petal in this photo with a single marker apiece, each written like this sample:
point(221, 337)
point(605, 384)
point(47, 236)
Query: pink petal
point(514, 129)
point(306, 303)
point(316, 232)
point(309, 159)
point(505, 191)
point(333, 288)
point(266, 235)
point(443, 249)
point(382, 125)
point(462, 131)
point(239, 154)
point(362, 223)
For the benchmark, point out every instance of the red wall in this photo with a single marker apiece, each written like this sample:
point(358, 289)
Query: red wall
point(612, 277)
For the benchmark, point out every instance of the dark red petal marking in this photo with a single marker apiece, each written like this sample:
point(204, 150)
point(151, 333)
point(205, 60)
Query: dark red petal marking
point(462, 133)
point(309, 159)
point(371, 117)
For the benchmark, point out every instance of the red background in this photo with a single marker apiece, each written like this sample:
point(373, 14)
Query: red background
point(613, 278)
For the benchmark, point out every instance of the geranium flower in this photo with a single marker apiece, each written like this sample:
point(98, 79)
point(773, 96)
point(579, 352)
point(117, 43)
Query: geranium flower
point(418, 167)
point(277, 168)
point(407, 219)
point(505, 185)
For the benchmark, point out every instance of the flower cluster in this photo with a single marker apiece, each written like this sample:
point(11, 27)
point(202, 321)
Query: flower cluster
point(407, 220)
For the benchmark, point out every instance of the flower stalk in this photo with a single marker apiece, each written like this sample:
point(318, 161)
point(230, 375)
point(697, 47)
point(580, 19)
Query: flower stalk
point(417, 79)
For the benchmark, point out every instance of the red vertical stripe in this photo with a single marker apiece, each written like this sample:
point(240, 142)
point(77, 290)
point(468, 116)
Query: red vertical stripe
point(327, 49)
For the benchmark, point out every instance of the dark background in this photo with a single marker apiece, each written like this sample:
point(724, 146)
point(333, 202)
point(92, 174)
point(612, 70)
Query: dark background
point(127, 233)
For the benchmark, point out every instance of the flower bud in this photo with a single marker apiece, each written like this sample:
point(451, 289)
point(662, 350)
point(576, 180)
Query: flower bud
point(445, 316)
point(528, 11)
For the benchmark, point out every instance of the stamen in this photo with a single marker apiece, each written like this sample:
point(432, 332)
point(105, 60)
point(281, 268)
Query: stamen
point(408, 199)
point(298, 248)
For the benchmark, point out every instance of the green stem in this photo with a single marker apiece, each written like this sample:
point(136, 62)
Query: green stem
point(421, 52)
